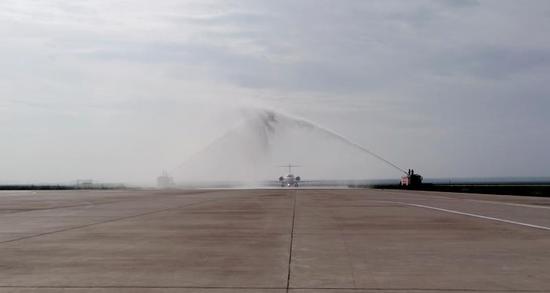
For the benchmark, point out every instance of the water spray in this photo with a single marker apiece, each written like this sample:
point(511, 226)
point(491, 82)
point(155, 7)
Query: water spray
point(271, 116)
point(262, 126)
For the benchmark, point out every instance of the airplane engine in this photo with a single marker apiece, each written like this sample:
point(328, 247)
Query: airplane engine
point(281, 178)
point(297, 178)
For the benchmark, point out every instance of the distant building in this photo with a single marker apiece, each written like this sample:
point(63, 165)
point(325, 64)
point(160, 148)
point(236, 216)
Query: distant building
point(411, 179)
point(165, 181)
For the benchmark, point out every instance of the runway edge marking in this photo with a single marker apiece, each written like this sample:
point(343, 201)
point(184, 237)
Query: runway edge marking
point(472, 215)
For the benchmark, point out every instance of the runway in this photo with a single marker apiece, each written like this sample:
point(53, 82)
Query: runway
point(272, 240)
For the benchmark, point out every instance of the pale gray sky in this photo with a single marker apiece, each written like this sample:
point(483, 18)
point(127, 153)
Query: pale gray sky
point(119, 90)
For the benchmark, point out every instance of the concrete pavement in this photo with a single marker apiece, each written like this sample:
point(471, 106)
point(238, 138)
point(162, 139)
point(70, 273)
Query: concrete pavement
point(274, 240)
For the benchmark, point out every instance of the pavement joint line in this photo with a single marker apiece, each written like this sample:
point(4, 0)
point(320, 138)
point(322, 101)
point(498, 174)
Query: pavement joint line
point(90, 204)
point(438, 195)
point(473, 215)
point(274, 288)
point(104, 222)
point(144, 286)
point(510, 204)
point(416, 289)
point(291, 242)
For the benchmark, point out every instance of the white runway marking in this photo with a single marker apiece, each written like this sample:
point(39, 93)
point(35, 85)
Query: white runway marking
point(480, 200)
point(473, 215)
point(510, 204)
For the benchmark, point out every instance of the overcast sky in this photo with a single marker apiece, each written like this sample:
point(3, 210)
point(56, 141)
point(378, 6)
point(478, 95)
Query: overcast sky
point(119, 90)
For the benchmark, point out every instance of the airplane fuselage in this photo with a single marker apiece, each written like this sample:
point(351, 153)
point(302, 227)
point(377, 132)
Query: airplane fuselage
point(289, 180)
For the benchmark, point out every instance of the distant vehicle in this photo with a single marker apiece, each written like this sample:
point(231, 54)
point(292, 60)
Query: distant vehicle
point(412, 179)
point(289, 180)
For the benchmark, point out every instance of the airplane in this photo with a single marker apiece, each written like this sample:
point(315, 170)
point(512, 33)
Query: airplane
point(289, 180)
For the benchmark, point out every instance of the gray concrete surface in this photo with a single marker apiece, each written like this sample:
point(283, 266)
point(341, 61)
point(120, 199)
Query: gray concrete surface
point(279, 240)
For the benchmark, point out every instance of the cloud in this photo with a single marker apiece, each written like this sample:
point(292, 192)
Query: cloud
point(430, 75)
point(496, 62)
point(460, 3)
